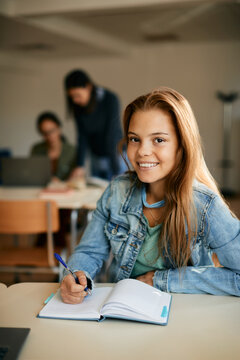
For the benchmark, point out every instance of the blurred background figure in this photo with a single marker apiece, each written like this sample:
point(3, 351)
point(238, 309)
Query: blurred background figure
point(55, 145)
point(96, 112)
point(63, 160)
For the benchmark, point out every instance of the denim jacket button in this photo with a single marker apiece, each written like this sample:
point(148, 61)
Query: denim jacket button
point(114, 231)
point(134, 245)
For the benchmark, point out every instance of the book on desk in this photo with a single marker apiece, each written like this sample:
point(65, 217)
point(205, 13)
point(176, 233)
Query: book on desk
point(128, 299)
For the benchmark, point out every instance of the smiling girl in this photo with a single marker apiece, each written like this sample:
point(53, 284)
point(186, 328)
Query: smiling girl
point(164, 221)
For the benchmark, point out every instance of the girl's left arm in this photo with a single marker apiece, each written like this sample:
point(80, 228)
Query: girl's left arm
point(222, 237)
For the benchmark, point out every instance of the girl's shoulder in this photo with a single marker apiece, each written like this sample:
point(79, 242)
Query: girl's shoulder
point(122, 188)
point(124, 182)
point(208, 202)
point(118, 194)
point(214, 216)
point(203, 192)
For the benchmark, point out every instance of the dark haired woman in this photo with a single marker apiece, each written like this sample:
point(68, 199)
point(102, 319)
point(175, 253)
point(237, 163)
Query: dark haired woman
point(55, 145)
point(96, 111)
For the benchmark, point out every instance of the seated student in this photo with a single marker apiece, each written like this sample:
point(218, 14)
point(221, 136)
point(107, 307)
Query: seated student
point(63, 160)
point(165, 222)
point(55, 145)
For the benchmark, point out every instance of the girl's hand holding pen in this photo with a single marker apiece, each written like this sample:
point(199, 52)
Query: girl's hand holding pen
point(71, 292)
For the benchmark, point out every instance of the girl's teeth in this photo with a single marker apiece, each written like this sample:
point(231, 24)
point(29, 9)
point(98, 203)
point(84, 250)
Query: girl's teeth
point(147, 165)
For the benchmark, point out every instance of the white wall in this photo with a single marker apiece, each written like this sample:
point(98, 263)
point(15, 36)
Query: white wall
point(196, 70)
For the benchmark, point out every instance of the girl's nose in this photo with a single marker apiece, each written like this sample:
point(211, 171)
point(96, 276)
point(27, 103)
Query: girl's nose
point(144, 149)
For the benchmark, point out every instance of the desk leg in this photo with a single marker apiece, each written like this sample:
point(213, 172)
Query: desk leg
point(74, 218)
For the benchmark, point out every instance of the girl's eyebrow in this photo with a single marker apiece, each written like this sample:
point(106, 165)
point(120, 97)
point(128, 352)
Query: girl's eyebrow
point(156, 133)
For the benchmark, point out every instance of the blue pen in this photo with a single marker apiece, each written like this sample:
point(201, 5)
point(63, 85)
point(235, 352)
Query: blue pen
point(58, 257)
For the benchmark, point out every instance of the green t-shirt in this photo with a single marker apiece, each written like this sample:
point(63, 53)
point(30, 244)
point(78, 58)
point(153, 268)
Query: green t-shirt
point(66, 161)
point(148, 258)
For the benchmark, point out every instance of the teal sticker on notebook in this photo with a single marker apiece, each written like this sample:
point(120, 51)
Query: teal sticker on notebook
point(49, 298)
point(164, 312)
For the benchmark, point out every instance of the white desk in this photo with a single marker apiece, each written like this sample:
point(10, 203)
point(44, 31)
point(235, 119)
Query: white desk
point(201, 327)
point(3, 289)
point(85, 198)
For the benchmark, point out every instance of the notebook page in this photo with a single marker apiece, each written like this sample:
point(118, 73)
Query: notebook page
point(88, 309)
point(138, 298)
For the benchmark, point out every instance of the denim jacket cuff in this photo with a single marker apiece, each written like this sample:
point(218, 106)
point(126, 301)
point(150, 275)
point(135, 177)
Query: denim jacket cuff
point(90, 282)
point(160, 280)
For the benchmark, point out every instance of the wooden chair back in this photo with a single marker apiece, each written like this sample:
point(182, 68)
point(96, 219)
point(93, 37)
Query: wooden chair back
point(30, 217)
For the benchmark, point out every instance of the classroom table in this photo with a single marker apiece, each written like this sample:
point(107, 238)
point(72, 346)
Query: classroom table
point(85, 198)
point(3, 289)
point(200, 327)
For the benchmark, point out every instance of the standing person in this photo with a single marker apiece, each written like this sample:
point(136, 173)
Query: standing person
point(165, 222)
point(96, 111)
point(55, 145)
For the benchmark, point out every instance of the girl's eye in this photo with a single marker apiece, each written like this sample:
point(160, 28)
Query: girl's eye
point(133, 139)
point(159, 140)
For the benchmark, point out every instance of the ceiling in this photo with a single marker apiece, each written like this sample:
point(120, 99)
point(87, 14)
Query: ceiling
point(56, 28)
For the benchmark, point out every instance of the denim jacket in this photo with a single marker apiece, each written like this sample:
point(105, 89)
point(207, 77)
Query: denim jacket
point(118, 225)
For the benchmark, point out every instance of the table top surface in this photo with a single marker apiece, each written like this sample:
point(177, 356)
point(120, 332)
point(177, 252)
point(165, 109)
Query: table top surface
point(199, 327)
point(3, 288)
point(86, 197)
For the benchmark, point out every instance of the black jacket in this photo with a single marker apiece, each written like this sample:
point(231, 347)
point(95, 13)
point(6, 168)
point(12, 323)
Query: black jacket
point(100, 130)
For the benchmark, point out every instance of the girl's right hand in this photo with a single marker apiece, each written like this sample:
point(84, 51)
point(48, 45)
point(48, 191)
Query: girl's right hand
point(71, 292)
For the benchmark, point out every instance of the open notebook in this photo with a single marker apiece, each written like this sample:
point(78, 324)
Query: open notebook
point(129, 299)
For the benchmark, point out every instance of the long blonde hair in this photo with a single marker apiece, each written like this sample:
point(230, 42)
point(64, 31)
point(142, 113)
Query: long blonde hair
point(190, 165)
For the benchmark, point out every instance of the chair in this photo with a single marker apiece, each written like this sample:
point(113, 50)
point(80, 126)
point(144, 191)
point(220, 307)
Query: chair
point(29, 217)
